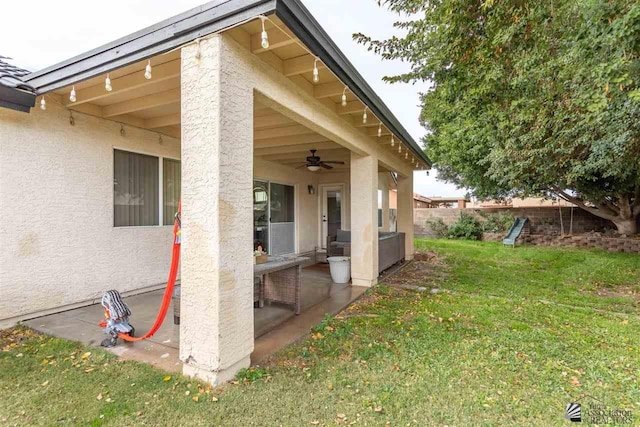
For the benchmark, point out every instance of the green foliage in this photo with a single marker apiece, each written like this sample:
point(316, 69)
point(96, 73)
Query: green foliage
point(438, 227)
point(467, 227)
point(496, 223)
point(251, 375)
point(529, 98)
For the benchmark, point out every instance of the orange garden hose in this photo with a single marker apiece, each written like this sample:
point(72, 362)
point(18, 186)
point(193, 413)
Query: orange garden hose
point(171, 281)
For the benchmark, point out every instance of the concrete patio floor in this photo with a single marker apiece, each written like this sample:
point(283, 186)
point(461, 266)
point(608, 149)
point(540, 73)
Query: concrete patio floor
point(275, 325)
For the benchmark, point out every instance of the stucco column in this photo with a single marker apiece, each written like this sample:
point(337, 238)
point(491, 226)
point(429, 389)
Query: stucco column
point(383, 185)
point(364, 220)
point(405, 213)
point(216, 331)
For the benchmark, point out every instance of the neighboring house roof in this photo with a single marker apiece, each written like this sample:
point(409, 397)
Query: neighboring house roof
point(213, 17)
point(14, 92)
point(421, 198)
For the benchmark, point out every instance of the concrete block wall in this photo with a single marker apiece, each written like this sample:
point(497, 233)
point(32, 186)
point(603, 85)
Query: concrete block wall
point(542, 220)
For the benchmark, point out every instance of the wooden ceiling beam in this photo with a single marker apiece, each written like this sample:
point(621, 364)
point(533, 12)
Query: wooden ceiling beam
point(161, 72)
point(273, 120)
point(276, 39)
point(302, 148)
point(281, 132)
point(163, 121)
point(300, 65)
point(142, 103)
point(290, 140)
point(352, 107)
point(326, 90)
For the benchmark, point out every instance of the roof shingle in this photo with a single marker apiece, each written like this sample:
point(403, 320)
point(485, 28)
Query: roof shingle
point(11, 76)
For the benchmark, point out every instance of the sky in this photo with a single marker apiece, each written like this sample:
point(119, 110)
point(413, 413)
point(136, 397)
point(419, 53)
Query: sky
point(60, 30)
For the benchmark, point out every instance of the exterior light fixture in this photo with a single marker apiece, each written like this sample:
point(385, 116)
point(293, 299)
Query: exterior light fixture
point(107, 84)
point(406, 155)
point(344, 97)
point(72, 95)
point(316, 72)
point(147, 71)
point(264, 37)
point(364, 116)
point(393, 141)
point(399, 148)
point(43, 104)
point(313, 168)
point(380, 130)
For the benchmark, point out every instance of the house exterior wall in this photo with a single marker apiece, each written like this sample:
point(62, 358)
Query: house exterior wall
point(60, 248)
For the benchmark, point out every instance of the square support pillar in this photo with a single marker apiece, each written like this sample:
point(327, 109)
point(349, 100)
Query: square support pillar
point(405, 213)
point(383, 186)
point(216, 330)
point(364, 220)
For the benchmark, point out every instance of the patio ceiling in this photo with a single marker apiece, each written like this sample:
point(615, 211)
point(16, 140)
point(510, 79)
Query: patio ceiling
point(154, 104)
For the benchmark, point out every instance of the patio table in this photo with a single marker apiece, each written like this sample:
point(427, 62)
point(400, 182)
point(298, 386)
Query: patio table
point(280, 280)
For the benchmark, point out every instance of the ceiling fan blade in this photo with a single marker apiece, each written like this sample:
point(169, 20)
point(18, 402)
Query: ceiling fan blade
point(334, 162)
point(325, 165)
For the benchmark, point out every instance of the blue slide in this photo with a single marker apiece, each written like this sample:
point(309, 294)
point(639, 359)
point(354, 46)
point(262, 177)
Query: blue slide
point(514, 232)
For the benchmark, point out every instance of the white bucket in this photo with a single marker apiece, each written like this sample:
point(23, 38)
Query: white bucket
point(340, 267)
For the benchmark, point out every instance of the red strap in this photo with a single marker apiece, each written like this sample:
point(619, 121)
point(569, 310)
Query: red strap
point(171, 281)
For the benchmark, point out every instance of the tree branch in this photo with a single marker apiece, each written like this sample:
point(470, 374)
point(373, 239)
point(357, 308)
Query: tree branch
point(576, 201)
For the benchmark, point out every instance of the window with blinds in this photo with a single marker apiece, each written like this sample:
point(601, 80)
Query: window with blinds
point(170, 189)
point(136, 189)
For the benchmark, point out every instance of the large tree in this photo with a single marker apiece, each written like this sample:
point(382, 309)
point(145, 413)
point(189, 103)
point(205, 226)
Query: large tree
point(529, 97)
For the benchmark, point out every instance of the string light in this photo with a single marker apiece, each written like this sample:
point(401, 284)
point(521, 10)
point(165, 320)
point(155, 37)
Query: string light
point(399, 148)
point(344, 97)
point(393, 141)
point(43, 104)
point(364, 116)
point(380, 130)
point(107, 84)
point(72, 95)
point(264, 37)
point(406, 155)
point(316, 72)
point(147, 71)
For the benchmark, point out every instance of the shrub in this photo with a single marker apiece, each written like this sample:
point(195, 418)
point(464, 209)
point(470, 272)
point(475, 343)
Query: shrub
point(497, 223)
point(438, 227)
point(467, 227)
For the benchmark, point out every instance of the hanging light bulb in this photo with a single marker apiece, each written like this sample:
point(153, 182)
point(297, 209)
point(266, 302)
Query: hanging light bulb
point(399, 148)
point(393, 141)
point(379, 130)
point(107, 84)
point(147, 71)
point(406, 155)
point(264, 37)
point(316, 72)
point(344, 97)
point(364, 116)
point(43, 104)
point(72, 95)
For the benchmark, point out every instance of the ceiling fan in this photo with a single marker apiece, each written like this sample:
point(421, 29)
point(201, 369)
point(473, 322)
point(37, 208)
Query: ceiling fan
point(314, 163)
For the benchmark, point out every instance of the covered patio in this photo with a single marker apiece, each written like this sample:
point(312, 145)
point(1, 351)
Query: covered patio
point(274, 325)
point(238, 94)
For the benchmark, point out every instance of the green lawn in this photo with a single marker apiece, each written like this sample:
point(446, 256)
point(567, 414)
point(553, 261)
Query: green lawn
point(514, 335)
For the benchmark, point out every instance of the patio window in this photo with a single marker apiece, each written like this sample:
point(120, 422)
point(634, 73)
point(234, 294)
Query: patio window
point(137, 189)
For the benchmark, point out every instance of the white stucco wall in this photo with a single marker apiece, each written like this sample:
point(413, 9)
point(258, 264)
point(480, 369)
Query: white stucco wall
point(59, 246)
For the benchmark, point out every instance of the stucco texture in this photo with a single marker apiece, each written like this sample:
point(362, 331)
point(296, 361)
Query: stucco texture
point(59, 246)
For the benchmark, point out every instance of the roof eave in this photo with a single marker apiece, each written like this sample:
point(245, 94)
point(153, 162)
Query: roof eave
point(300, 21)
point(16, 99)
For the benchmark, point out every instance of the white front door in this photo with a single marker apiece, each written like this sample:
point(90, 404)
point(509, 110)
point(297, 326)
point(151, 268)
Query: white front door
point(331, 212)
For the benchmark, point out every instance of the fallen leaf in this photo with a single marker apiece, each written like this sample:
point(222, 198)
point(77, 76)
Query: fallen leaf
point(44, 384)
point(195, 398)
point(99, 397)
point(86, 355)
point(214, 399)
point(342, 416)
point(167, 378)
point(378, 408)
point(574, 381)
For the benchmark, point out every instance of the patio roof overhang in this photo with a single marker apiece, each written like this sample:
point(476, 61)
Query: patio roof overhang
point(214, 17)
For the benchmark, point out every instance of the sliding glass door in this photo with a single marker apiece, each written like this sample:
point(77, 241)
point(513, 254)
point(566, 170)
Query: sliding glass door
point(274, 217)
